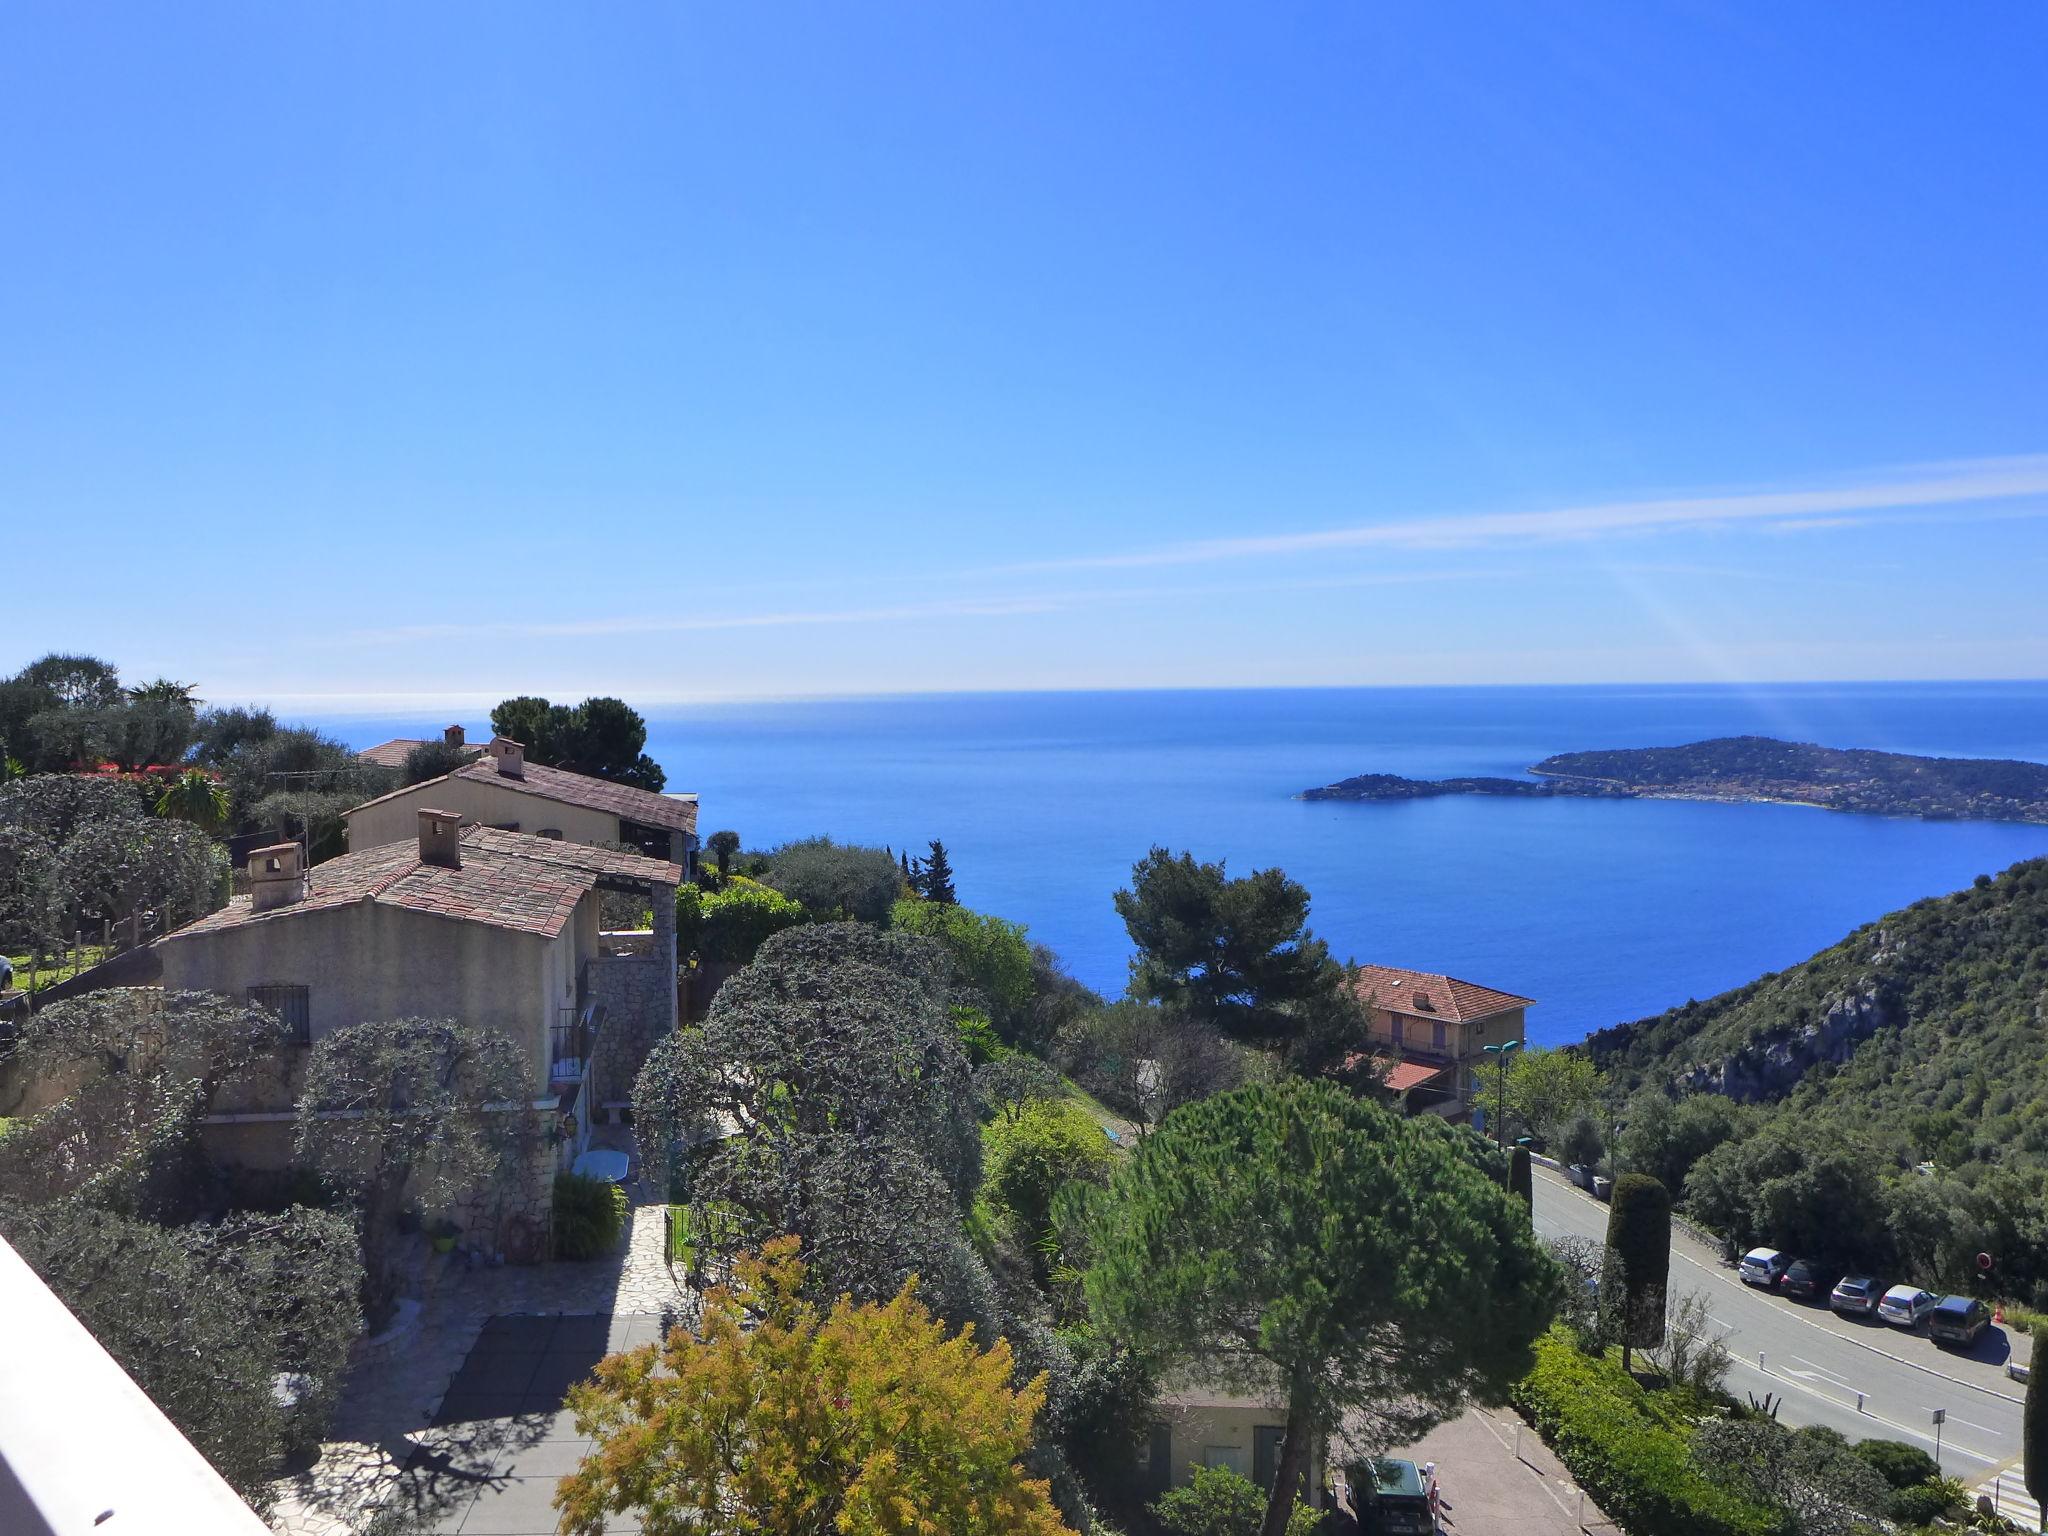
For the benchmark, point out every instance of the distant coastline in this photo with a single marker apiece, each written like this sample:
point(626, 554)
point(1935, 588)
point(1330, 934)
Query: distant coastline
point(1754, 770)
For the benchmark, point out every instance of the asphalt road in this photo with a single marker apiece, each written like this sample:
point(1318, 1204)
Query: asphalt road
point(1821, 1365)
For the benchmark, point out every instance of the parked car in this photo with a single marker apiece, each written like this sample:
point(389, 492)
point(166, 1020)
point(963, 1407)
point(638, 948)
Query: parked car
point(1763, 1267)
point(1906, 1305)
point(1958, 1320)
point(1856, 1295)
point(1808, 1279)
point(1391, 1498)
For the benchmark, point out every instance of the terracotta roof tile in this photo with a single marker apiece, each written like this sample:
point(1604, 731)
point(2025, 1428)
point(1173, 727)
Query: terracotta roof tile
point(507, 880)
point(677, 813)
point(1432, 995)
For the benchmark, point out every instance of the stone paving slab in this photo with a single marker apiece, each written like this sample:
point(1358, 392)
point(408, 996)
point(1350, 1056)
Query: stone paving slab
point(389, 1409)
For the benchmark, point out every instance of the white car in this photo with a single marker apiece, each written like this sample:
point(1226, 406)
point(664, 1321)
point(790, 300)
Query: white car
point(1763, 1267)
point(1906, 1305)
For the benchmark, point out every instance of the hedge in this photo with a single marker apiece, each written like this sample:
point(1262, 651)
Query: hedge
point(1631, 1457)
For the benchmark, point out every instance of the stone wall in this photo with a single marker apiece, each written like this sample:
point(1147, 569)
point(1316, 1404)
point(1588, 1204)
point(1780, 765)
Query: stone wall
point(639, 996)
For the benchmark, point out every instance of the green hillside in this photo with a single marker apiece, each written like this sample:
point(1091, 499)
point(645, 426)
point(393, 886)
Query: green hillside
point(1798, 1109)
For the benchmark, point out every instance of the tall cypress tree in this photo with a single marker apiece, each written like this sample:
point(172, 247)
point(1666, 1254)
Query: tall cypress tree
point(937, 877)
point(1639, 1240)
point(1521, 1178)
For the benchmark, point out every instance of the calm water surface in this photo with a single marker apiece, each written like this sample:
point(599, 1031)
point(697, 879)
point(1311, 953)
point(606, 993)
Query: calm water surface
point(1602, 911)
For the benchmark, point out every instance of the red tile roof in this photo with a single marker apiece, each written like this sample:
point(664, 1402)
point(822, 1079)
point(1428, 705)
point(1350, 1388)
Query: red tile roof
point(1404, 1075)
point(392, 753)
point(678, 813)
point(507, 880)
point(1432, 995)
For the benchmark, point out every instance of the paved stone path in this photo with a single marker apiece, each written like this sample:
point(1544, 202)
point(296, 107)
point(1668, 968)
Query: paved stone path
point(392, 1397)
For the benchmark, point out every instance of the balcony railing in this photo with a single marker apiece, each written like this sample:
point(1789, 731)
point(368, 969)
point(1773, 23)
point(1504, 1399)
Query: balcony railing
point(571, 1041)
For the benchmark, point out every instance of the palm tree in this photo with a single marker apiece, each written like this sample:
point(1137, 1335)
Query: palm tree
point(195, 796)
point(722, 846)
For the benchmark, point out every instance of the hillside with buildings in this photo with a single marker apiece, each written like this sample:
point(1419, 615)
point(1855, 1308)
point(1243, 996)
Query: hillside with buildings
point(1755, 768)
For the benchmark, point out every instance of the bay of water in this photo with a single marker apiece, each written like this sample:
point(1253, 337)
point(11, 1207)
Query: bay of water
point(1600, 910)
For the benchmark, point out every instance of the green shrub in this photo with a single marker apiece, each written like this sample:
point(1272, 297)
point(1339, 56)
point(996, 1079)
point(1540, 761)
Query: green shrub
point(990, 955)
point(590, 1215)
point(1924, 1503)
point(738, 920)
point(1220, 1502)
point(1626, 1449)
point(1900, 1464)
point(977, 1036)
point(1026, 1158)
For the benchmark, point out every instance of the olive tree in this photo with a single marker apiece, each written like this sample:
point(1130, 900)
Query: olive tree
point(833, 1063)
point(1294, 1239)
point(426, 1109)
point(130, 1072)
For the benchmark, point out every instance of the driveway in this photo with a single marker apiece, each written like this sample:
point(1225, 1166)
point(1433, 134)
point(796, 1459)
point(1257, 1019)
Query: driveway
point(1868, 1380)
point(1497, 1478)
point(501, 1440)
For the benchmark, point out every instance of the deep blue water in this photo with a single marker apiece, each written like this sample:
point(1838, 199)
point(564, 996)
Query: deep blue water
point(1603, 911)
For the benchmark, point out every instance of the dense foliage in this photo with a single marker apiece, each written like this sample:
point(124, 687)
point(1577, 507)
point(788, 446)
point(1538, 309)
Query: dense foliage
point(1628, 1449)
point(834, 1062)
point(1237, 956)
point(1916, 1040)
point(590, 1216)
point(777, 1416)
point(729, 925)
point(991, 958)
point(1548, 1090)
point(2034, 1427)
point(1370, 1268)
point(1216, 1501)
point(81, 853)
point(836, 881)
point(413, 1109)
point(137, 1069)
point(1639, 1246)
point(1029, 1155)
point(602, 737)
point(204, 1319)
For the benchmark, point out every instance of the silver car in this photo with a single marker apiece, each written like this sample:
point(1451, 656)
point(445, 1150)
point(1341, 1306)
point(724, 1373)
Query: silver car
point(1856, 1295)
point(1906, 1306)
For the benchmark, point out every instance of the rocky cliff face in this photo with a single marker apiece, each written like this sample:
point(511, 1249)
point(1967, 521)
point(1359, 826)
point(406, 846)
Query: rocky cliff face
point(1770, 1067)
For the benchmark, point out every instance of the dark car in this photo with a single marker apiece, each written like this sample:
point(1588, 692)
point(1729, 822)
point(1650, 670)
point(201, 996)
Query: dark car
point(1393, 1499)
point(1958, 1320)
point(1807, 1279)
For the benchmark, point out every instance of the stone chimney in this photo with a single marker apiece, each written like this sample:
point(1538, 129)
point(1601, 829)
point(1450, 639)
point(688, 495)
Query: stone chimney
point(453, 736)
point(511, 756)
point(441, 838)
point(277, 877)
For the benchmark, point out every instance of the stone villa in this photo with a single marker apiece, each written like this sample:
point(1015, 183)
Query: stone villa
point(494, 928)
point(502, 789)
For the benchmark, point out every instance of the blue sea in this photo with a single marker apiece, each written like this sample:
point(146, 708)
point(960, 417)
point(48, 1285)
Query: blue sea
point(1603, 911)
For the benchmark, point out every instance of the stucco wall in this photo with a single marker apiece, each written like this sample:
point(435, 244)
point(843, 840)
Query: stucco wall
point(369, 961)
point(397, 819)
point(1223, 1433)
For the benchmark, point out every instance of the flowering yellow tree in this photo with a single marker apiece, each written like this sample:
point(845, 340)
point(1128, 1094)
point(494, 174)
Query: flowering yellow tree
point(779, 1419)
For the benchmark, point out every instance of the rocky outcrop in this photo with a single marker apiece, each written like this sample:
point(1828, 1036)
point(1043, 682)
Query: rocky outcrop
point(1771, 1066)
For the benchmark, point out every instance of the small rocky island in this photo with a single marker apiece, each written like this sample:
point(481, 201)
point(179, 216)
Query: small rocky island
point(1752, 769)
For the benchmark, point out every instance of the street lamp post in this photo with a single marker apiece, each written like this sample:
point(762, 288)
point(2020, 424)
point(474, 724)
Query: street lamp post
point(1502, 1051)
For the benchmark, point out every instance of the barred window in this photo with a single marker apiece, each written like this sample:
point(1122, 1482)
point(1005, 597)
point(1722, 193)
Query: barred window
point(292, 1004)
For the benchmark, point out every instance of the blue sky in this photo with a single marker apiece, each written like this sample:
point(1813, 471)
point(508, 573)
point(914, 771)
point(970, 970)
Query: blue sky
point(350, 354)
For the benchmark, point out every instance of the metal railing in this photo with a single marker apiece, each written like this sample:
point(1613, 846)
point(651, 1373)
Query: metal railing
point(571, 1041)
